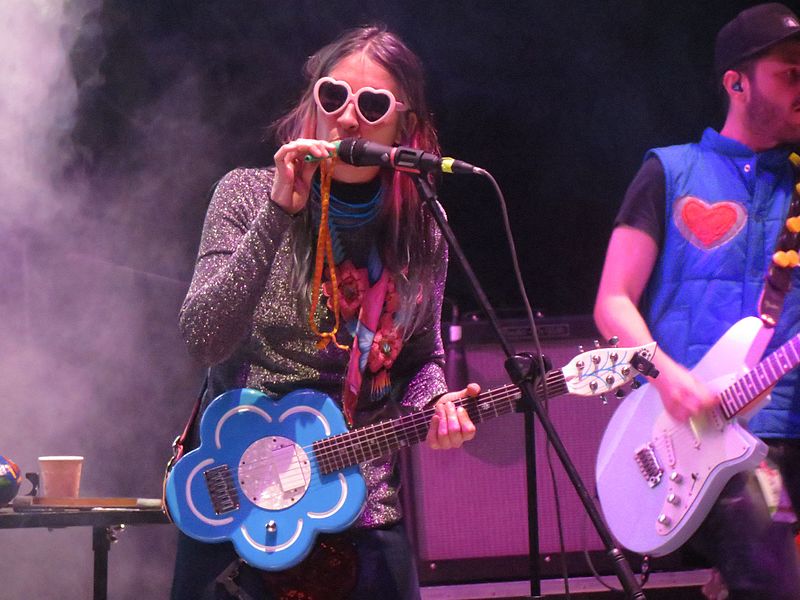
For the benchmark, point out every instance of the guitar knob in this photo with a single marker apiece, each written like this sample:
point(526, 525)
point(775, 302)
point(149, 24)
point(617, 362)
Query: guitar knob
point(579, 365)
point(596, 359)
point(676, 477)
point(610, 380)
point(614, 356)
point(663, 519)
point(673, 499)
point(272, 527)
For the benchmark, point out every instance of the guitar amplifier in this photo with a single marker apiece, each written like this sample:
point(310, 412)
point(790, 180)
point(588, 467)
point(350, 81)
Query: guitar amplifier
point(468, 508)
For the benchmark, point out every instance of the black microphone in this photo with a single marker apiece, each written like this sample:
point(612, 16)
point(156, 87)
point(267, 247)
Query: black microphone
point(364, 153)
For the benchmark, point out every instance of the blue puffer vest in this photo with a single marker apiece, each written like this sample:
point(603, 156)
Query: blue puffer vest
point(725, 207)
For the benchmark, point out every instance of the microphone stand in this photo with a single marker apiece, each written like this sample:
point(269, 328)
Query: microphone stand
point(519, 368)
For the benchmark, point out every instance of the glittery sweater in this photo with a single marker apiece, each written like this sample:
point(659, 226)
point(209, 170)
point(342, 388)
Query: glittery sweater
point(242, 319)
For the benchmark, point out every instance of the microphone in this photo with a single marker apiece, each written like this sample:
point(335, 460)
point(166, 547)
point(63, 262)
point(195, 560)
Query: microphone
point(364, 153)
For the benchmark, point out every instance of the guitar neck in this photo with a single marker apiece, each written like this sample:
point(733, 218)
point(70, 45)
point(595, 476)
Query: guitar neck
point(373, 441)
point(764, 375)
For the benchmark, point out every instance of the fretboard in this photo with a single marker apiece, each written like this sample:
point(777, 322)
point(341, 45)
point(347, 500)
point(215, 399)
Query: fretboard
point(373, 441)
point(765, 374)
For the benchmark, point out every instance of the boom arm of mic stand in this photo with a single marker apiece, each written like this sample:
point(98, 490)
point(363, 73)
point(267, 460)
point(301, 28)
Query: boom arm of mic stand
point(521, 378)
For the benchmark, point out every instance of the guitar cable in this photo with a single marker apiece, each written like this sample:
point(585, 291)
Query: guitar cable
point(645, 566)
point(557, 502)
point(540, 359)
point(228, 580)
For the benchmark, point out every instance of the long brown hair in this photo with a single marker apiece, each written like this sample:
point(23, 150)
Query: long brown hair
point(408, 234)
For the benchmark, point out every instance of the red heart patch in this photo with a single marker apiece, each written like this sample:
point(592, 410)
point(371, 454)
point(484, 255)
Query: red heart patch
point(706, 225)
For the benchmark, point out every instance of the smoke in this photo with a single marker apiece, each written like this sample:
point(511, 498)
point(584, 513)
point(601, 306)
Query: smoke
point(37, 106)
point(90, 356)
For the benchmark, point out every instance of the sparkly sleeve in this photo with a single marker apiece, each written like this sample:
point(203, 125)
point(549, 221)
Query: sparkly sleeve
point(425, 346)
point(242, 231)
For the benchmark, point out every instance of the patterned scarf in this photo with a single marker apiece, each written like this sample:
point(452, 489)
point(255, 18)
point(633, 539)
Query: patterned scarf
point(365, 299)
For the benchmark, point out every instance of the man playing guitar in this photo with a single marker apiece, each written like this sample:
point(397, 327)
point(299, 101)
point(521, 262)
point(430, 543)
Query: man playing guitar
point(686, 260)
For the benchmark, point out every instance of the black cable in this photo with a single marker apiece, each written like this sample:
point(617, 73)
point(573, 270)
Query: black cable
point(645, 567)
point(561, 544)
point(540, 357)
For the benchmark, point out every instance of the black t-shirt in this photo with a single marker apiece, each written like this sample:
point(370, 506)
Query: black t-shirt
point(645, 201)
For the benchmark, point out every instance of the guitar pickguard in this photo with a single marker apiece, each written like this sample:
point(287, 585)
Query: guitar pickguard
point(697, 450)
point(274, 472)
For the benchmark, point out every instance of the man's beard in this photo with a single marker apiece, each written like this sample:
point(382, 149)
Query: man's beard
point(770, 120)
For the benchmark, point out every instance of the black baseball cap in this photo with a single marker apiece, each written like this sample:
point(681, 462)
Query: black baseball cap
point(752, 31)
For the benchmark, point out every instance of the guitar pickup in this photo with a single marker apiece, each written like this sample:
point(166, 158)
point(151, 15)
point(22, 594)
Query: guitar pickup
point(647, 460)
point(222, 489)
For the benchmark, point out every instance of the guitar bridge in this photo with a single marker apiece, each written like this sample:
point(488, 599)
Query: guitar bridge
point(647, 460)
point(222, 489)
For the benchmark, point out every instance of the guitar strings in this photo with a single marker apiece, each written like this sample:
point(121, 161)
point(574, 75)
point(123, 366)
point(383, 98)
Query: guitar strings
point(373, 441)
point(733, 399)
point(332, 446)
point(411, 423)
point(554, 380)
point(342, 450)
point(358, 442)
point(749, 386)
point(415, 423)
point(779, 362)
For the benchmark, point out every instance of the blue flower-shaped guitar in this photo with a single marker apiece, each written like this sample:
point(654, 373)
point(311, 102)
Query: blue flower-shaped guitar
point(269, 475)
point(259, 479)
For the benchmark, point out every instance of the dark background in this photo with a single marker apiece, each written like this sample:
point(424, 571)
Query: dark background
point(558, 100)
point(117, 117)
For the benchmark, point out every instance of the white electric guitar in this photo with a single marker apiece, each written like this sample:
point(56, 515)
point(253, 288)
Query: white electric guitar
point(657, 478)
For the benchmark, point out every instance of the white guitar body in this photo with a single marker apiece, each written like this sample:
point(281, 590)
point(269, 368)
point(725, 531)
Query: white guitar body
point(657, 478)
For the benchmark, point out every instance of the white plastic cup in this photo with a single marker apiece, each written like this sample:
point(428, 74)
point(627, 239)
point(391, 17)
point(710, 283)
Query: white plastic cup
point(60, 476)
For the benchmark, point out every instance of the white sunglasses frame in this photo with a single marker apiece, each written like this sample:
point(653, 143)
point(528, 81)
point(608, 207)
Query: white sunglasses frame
point(394, 103)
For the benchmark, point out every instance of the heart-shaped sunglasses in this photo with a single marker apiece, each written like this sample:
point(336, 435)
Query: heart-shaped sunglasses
point(372, 105)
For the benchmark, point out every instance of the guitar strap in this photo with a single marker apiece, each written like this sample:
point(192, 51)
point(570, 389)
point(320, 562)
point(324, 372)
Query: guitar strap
point(779, 275)
point(179, 444)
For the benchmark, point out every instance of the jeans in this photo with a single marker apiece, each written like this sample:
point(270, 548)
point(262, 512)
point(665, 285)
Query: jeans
point(757, 556)
point(386, 569)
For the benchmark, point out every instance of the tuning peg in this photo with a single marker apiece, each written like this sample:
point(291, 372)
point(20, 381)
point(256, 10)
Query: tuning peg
point(635, 384)
point(613, 341)
point(596, 343)
point(603, 399)
point(620, 393)
point(580, 348)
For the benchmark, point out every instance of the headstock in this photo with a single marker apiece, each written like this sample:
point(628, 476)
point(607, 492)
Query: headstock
point(602, 370)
